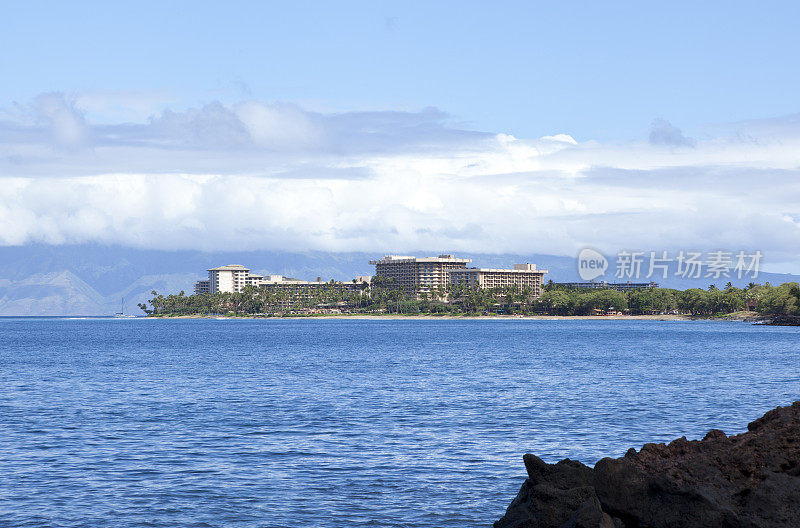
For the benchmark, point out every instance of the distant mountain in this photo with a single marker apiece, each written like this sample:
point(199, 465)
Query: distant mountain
point(55, 293)
point(93, 279)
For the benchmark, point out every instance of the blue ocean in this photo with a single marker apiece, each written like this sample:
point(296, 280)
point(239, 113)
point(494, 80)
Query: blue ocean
point(343, 423)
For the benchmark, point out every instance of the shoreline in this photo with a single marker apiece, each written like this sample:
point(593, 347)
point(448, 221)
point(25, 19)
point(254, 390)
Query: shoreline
point(666, 317)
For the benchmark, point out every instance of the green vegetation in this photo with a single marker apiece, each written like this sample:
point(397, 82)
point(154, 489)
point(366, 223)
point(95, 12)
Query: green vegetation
point(382, 297)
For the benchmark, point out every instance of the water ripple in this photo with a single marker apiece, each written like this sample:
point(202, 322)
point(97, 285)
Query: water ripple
point(313, 423)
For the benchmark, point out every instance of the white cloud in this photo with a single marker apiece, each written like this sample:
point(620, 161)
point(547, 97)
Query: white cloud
point(665, 133)
point(266, 176)
point(64, 121)
point(109, 107)
point(278, 126)
point(563, 138)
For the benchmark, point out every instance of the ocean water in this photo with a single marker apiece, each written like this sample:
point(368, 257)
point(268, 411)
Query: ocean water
point(334, 423)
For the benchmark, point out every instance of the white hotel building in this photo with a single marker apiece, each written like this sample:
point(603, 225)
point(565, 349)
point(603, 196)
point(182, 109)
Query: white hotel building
point(418, 274)
point(522, 276)
point(414, 275)
point(235, 277)
point(431, 274)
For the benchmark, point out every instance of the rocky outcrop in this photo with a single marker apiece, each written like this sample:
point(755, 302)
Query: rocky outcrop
point(745, 481)
point(783, 320)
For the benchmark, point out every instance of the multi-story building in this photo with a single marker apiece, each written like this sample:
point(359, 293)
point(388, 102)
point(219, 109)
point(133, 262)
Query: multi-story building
point(522, 276)
point(619, 286)
point(418, 275)
point(202, 286)
point(628, 286)
point(230, 278)
point(287, 283)
point(235, 277)
point(297, 293)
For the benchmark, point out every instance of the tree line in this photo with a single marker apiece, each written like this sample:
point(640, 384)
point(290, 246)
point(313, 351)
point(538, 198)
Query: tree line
point(383, 297)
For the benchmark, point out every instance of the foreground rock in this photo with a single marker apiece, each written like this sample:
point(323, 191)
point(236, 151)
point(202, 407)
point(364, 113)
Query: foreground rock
point(748, 480)
point(783, 320)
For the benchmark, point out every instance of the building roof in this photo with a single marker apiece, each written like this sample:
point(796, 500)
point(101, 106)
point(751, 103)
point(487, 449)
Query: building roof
point(403, 258)
point(230, 267)
point(489, 270)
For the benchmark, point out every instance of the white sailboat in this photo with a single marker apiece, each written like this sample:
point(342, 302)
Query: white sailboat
point(121, 313)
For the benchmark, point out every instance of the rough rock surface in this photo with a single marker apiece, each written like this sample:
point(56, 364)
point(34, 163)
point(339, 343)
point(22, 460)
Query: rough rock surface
point(748, 480)
point(784, 320)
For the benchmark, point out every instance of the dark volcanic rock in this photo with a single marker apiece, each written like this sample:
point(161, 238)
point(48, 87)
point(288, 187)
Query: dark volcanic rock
point(784, 320)
point(748, 480)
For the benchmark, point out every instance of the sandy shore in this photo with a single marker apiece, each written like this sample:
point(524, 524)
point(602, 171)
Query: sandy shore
point(516, 317)
point(463, 317)
point(737, 316)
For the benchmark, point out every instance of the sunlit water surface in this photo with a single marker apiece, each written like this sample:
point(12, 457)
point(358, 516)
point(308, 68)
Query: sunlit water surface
point(323, 423)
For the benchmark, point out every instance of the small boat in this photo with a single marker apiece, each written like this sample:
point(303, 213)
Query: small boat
point(121, 313)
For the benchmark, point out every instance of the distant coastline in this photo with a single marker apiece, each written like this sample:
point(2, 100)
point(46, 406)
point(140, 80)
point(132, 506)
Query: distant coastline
point(743, 317)
point(443, 286)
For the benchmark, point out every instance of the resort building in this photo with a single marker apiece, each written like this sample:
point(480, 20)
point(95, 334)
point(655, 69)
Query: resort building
point(522, 276)
point(202, 286)
point(235, 278)
point(619, 286)
point(418, 275)
point(230, 278)
point(422, 276)
point(287, 283)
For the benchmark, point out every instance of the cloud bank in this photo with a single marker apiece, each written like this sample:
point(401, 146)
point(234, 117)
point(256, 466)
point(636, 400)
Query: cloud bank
point(665, 133)
point(255, 175)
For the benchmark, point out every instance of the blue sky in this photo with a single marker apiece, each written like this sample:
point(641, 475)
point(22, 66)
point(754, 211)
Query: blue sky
point(376, 126)
point(595, 70)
